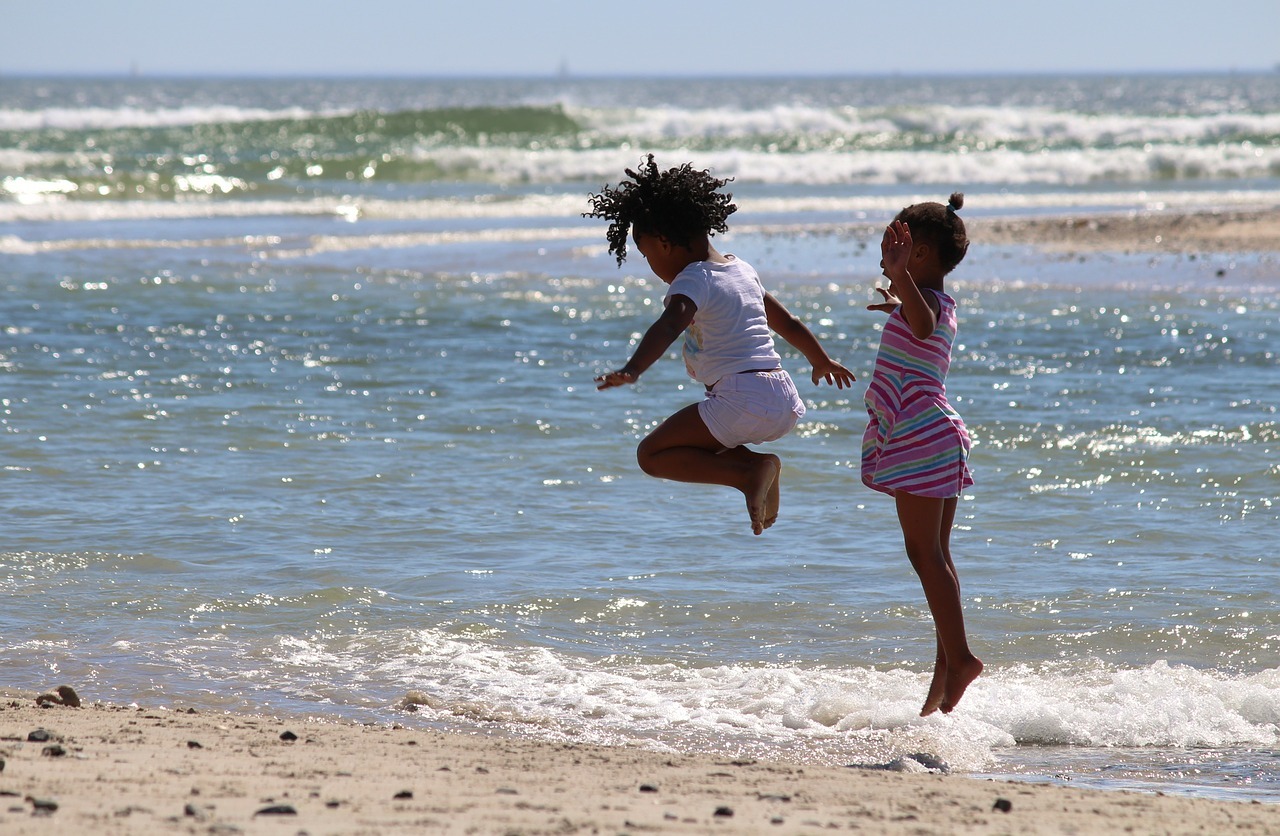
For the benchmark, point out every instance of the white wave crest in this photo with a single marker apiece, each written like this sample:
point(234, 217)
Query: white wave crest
point(88, 118)
point(1070, 167)
point(977, 127)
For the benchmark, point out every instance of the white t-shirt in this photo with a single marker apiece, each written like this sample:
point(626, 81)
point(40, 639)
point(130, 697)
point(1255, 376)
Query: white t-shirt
point(730, 331)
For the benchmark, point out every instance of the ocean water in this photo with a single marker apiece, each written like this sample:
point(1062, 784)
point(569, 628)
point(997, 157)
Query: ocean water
point(298, 416)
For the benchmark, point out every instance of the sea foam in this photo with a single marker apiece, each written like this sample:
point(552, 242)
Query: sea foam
point(822, 714)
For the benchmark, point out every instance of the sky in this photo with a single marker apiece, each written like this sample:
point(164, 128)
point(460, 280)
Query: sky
point(658, 37)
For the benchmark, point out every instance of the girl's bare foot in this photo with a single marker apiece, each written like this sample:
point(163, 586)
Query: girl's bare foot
point(937, 688)
point(773, 500)
point(958, 679)
point(763, 476)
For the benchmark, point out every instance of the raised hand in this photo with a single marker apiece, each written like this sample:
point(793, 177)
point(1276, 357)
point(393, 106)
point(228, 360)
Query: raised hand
point(895, 250)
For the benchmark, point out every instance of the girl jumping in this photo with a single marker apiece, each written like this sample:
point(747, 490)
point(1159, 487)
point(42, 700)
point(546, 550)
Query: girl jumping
point(717, 301)
point(916, 447)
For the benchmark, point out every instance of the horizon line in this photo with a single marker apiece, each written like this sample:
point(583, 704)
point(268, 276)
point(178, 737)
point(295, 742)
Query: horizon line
point(563, 75)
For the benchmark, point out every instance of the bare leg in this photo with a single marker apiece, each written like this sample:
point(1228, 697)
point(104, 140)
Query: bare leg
point(958, 681)
point(926, 525)
point(684, 450)
point(938, 685)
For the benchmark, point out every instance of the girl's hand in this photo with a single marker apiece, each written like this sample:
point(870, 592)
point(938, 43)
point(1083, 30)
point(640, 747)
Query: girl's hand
point(834, 373)
point(889, 305)
point(895, 250)
point(608, 380)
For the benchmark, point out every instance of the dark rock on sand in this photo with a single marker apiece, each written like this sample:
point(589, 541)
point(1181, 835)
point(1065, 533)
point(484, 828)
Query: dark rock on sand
point(277, 810)
point(1004, 805)
point(288, 736)
point(62, 695)
point(930, 762)
point(39, 736)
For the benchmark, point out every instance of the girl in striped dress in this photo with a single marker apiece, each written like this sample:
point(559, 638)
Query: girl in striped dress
point(916, 447)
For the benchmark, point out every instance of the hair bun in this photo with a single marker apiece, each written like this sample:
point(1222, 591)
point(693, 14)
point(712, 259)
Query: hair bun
point(956, 202)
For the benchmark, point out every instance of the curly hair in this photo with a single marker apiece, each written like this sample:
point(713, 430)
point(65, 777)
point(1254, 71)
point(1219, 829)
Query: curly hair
point(940, 227)
point(679, 204)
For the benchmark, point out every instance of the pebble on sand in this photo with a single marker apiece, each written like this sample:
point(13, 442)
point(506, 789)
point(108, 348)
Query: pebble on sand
point(43, 805)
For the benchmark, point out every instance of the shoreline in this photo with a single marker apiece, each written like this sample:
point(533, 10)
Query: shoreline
point(113, 769)
point(1182, 232)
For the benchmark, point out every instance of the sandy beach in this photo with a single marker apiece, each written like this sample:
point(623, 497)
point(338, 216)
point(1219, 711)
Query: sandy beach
point(1227, 231)
point(1157, 232)
point(112, 769)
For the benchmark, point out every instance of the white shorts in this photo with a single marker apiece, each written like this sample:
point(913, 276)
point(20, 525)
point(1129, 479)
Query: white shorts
point(751, 408)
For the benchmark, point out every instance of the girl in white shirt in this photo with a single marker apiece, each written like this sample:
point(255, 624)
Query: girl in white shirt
point(717, 301)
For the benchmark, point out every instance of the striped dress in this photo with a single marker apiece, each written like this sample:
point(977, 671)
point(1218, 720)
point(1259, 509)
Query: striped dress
point(915, 442)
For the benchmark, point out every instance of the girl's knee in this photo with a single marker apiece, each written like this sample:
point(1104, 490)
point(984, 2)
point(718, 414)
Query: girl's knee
point(920, 543)
point(646, 452)
point(925, 554)
point(645, 461)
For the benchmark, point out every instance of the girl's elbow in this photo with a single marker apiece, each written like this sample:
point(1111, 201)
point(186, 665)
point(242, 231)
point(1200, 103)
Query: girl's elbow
point(923, 328)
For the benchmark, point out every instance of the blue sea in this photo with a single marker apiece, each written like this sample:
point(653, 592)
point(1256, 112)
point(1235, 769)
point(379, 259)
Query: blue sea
point(297, 414)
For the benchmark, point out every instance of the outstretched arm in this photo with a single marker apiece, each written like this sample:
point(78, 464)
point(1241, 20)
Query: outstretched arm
point(655, 342)
point(895, 252)
point(788, 326)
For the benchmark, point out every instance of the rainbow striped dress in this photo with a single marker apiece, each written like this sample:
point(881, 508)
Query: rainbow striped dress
point(915, 442)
